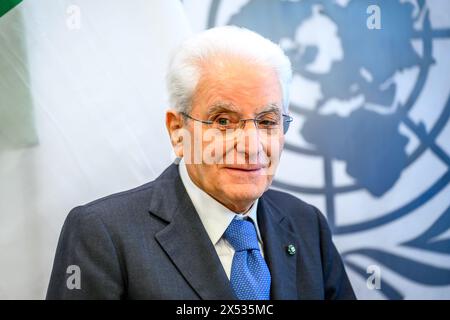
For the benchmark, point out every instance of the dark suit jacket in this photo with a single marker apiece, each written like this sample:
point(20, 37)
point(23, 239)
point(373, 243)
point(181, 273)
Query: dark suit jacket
point(149, 243)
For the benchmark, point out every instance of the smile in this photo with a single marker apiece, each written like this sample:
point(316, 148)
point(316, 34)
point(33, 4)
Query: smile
point(245, 169)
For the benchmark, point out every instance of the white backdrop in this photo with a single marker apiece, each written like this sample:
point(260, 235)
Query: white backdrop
point(82, 100)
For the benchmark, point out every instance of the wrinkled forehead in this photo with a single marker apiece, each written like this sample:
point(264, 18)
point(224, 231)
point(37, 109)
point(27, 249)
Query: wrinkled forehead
point(242, 84)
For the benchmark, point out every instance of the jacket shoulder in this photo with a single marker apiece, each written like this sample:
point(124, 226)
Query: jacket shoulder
point(126, 207)
point(302, 214)
point(289, 203)
point(117, 202)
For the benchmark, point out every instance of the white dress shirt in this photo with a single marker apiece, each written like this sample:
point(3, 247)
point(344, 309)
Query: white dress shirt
point(216, 218)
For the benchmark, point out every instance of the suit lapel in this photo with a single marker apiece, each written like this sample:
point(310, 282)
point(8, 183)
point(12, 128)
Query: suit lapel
point(185, 240)
point(276, 235)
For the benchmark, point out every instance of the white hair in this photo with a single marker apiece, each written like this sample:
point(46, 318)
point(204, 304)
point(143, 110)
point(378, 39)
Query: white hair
point(185, 67)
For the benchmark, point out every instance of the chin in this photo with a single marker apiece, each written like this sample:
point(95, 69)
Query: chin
point(243, 192)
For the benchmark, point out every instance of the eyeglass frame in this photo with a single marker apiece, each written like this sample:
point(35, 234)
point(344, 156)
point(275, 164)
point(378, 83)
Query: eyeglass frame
point(287, 119)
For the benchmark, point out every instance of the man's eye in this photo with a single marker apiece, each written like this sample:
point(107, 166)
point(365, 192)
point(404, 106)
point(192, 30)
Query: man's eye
point(223, 121)
point(268, 123)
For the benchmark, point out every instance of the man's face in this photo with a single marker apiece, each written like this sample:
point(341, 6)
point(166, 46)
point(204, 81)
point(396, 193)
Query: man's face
point(243, 163)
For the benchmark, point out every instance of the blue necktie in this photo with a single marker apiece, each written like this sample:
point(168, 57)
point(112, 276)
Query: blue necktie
point(250, 276)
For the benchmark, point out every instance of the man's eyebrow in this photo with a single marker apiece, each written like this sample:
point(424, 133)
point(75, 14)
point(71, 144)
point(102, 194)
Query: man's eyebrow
point(229, 107)
point(272, 107)
point(222, 107)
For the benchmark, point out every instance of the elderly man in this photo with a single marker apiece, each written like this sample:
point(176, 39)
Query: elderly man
point(208, 227)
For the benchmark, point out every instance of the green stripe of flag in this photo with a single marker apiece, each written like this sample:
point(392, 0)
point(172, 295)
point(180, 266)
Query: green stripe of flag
point(17, 126)
point(6, 5)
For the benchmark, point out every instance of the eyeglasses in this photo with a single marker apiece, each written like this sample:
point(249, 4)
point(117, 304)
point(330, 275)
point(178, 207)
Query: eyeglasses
point(269, 121)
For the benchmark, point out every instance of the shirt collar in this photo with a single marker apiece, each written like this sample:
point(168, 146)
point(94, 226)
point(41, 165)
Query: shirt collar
point(214, 215)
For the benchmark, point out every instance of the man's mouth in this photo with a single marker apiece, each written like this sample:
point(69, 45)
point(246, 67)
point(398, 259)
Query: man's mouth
point(245, 168)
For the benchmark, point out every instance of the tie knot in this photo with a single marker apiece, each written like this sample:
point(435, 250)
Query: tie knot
point(241, 234)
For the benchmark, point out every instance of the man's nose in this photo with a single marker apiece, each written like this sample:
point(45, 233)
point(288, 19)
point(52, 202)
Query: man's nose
point(248, 123)
point(248, 141)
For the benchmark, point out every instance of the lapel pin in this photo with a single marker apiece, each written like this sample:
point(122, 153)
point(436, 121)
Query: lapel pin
point(290, 249)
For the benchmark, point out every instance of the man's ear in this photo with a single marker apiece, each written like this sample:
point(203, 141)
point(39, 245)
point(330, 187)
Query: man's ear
point(174, 125)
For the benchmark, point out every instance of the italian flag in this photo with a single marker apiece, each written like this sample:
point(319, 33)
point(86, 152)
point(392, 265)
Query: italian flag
point(6, 5)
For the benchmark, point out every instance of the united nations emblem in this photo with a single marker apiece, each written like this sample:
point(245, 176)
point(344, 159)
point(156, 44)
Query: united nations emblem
point(370, 142)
